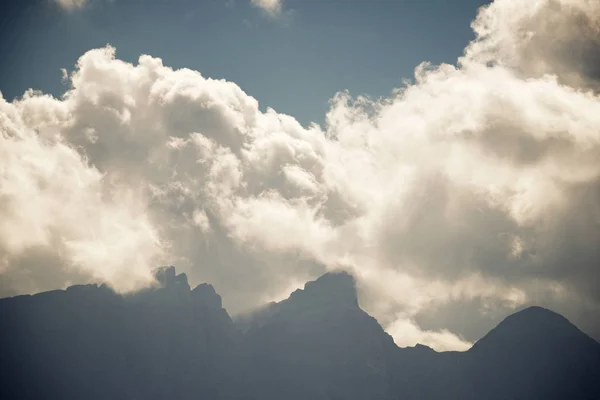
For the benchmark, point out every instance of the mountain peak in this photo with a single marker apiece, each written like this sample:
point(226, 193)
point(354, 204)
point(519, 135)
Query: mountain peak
point(531, 325)
point(167, 277)
point(535, 317)
point(332, 287)
point(538, 310)
point(206, 295)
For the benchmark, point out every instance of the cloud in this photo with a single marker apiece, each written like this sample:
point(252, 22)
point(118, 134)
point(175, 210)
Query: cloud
point(52, 200)
point(272, 8)
point(71, 5)
point(521, 38)
point(477, 185)
point(407, 333)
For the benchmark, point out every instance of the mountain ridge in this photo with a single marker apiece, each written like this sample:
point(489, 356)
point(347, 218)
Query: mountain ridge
point(172, 341)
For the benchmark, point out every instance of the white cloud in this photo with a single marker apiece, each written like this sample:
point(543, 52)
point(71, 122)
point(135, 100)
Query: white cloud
point(71, 5)
point(273, 8)
point(407, 333)
point(467, 186)
point(522, 39)
point(51, 198)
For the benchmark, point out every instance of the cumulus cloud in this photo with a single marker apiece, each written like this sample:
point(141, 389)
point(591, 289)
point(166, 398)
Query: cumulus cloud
point(272, 8)
point(477, 185)
point(51, 198)
point(524, 39)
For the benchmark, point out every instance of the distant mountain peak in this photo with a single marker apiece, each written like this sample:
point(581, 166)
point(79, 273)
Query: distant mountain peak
point(532, 325)
point(537, 317)
point(205, 294)
point(167, 277)
point(538, 310)
point(332, 287)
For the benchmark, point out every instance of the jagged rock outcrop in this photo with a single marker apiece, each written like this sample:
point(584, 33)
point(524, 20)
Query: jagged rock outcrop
point(174, 342)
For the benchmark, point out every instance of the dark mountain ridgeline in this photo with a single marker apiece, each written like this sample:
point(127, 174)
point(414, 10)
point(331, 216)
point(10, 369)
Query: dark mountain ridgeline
point(172, 342)
point(89, 343)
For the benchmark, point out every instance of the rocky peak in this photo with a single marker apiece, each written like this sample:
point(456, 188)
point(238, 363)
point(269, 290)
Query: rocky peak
point(206, 295)
point(168, 278)
point(337, 287)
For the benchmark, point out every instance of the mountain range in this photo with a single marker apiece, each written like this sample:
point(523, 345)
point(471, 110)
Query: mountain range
point(175, 342)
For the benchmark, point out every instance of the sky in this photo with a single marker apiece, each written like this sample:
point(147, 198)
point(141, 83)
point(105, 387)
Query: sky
point(447, 155)
point(336, 45)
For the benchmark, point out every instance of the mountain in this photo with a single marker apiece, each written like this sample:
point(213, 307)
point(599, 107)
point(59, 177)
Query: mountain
point(174, 342)
point(532, 354)
point(541, 353)
point(89, 343)
point(318, 344)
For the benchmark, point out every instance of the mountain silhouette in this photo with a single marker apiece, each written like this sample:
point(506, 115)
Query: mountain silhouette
point(87, 342)
point(174, 342)
point(318, 344)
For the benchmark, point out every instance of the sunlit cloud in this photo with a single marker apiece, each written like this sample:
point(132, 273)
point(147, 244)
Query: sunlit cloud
point(272, 8)
point(71, 5)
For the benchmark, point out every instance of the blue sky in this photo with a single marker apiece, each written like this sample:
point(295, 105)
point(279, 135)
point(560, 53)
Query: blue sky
point(294, 63)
